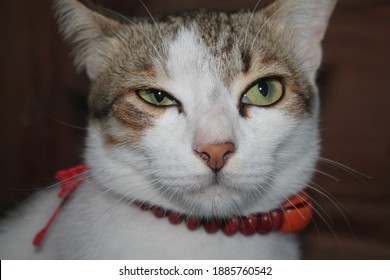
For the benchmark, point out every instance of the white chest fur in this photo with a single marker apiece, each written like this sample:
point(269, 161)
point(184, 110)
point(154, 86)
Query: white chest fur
point(96, 226)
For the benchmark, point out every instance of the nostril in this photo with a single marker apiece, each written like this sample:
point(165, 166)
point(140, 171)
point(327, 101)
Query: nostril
point(216, 155)
point(229, 148)
point(227, 155)
point(204, 156)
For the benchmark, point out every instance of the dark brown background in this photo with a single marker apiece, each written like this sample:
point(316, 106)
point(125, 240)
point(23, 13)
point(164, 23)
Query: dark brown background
point(43, 112)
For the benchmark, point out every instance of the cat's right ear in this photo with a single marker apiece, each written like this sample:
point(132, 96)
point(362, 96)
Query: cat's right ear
point(304, 22)
point(90, 33)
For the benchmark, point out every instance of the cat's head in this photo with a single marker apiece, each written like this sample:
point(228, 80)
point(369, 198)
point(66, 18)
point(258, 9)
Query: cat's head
point(206, 113)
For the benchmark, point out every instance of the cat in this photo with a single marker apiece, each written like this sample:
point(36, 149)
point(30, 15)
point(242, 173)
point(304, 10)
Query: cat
point(199, 116)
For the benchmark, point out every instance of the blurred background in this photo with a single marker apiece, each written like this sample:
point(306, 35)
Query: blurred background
point(43, 115)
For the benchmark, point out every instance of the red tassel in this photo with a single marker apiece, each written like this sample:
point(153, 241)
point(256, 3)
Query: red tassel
point(70, 180)
point(39, 237)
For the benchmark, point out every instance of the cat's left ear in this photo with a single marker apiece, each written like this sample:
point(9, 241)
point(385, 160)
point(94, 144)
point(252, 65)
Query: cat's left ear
point(305, 22)
point(91, 34)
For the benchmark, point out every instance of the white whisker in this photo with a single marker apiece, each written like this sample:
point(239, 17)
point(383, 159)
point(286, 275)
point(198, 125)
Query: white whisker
point(327, 175)
point(140, 30)
point(155, 24)
point(249, 22)
point(70, 125)
point(264, 24)
point(343, 167)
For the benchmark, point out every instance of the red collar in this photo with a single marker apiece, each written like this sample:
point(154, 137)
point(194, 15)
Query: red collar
point(292, 217)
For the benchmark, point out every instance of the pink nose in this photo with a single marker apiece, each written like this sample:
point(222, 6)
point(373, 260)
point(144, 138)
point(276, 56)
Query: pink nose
point(216, 156)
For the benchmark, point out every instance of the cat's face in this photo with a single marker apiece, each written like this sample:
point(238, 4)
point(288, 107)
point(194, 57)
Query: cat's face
point(209, 114)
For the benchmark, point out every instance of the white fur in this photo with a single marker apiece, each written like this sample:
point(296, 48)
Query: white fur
point(274, 159)
point(107, 229)
point(275, 156)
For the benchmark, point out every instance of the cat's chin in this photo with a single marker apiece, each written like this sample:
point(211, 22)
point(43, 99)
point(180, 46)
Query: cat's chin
point(214, 200)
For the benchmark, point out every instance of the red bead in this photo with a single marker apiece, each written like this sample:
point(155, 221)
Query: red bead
point(158, 212)
point(175, 218)
point(193, 223)
point(277, 217)
point(143, 206)
point(248, 225)
point(264, 223)
point(211, 226)
point(231, 226)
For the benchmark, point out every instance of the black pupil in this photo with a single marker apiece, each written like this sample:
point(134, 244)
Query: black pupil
point(159, 96)
point(263, 88)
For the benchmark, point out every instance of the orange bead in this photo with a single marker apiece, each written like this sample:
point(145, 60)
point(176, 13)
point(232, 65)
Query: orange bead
point(298, 212)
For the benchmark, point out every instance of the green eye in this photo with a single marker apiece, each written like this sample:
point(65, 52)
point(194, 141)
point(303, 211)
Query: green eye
point(264, 93)
point(156, 97)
